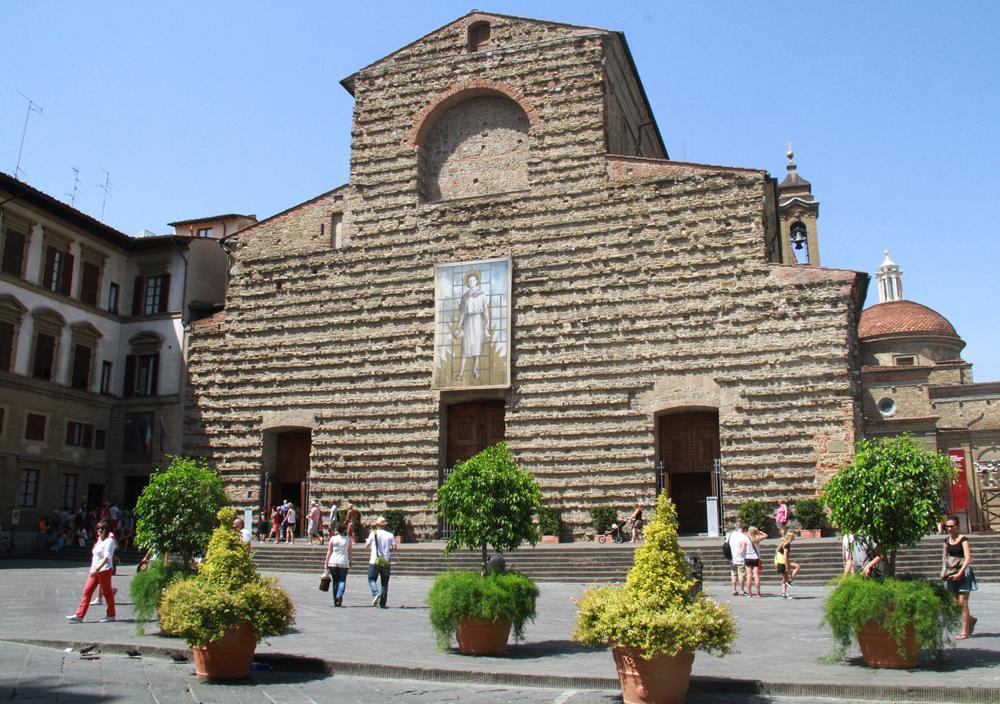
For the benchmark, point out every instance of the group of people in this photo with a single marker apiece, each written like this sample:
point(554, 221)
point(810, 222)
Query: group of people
point(743, 547)
point(281, 525)
point(339, 556)
point(62, 529)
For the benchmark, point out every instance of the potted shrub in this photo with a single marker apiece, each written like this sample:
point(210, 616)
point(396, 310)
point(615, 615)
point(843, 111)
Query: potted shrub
point(603, 517)
point(550, 524)
point(395, 523)
point(657, 620)
point(753, 513)
point(227, 608)
point(147, 589)
point(811, 516)
point(890, 496)
point(489, 501)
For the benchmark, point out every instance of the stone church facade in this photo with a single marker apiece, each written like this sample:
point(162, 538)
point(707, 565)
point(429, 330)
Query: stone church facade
point(510, 194)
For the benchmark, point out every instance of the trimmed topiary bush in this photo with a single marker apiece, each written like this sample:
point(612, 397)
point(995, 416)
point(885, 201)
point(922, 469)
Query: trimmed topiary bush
point(810, 513)
point(147, 589)
point(603, 517)
point(549, 520)
point(395, 522)
point(753, 513)
point(465, 595)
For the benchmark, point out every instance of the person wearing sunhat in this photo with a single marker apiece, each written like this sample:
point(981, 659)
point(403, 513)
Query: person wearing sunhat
point(381, 542)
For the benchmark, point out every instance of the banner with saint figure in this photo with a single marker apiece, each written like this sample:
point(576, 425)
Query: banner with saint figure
point(472, 324)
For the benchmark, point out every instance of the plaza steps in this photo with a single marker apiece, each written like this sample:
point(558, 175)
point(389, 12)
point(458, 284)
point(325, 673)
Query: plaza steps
point(590, 562)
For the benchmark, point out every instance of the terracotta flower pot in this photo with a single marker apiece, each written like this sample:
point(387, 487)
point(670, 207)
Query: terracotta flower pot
point(483, 637)
point(878, 647)
point(228, 658)
point(660, 679)
point(810, 533)
point(549, 539)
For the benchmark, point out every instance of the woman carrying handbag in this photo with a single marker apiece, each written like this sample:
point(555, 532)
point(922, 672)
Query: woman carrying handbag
point(337, 562)
point(956, 571)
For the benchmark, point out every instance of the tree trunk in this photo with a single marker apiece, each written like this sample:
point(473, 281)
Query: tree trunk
point(890, 563)
point(485, 560)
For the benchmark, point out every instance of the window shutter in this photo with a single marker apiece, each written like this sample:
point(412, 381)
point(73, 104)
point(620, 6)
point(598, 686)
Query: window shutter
point(50, 265)
point(88, 436)
point(129, 389)
point(137, 295)
point(89, 282)
point(6, 345)
point(81, 367)
point(154, 374)
point(165, 293)
point(69, 432)
point(67, 274)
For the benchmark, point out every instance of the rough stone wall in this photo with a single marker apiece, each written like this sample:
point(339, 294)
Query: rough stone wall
point(630, 297)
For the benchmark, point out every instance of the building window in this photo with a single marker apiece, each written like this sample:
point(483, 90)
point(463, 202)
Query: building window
point(141, 374)
point(58, 272)
point(69, 491)
point(90, 283)
point(34, 427)
point(105, 377)
point(27, 495)
point(337, 230)
point(100, 439)
point(82, 355)
point(151, 294)
point(479, 36)
point(14, 243)
point(908, 360)
point(11, 313)
point(138, 436)
point(887, 407)
point(113, 297)
point(204, 232)
point(45, 357)
point(79, 434)
point(6, 346)
point(3, 417)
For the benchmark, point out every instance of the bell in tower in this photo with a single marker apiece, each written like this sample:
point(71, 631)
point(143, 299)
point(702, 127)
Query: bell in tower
point(798, 212)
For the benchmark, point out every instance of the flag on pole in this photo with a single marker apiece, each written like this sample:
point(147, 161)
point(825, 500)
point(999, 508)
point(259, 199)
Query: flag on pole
point(149, 437)
point(163, 436)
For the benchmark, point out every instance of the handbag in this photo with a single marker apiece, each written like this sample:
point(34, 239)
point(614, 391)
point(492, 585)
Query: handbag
point(324, 583)
point(951, 566)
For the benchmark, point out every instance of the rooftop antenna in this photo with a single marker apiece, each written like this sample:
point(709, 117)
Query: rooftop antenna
point(76, 186)
point(32, 107)
point(106, 187)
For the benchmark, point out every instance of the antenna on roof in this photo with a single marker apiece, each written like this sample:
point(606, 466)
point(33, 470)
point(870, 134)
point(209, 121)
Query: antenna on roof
point(32, 107)
point(106, 187)
point(76, 186)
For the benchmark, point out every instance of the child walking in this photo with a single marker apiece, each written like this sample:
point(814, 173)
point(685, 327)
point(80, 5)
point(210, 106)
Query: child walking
point(784, 565)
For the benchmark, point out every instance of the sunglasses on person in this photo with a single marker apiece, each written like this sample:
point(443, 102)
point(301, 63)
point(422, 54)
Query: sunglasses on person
point(951, 525)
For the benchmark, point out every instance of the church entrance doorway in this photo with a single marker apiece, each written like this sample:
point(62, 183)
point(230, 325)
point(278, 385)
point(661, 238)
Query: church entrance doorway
point(292, 472)
point(469, 428)
point(688, 446)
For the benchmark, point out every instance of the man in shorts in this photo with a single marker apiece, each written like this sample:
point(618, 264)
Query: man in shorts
point(738, 542)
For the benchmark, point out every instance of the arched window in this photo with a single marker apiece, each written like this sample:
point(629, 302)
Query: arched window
point(476, 147)
point(11, 313)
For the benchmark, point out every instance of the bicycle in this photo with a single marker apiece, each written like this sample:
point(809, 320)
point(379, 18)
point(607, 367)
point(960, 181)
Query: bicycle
point(615, 534)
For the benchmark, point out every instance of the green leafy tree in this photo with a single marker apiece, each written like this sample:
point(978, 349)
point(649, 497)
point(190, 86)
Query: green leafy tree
point(177, 509)
point(489, 501)
point(890, 494)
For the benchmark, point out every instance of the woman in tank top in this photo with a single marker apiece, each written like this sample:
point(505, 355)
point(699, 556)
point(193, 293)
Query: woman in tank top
point(753, 559)
point(956, 571)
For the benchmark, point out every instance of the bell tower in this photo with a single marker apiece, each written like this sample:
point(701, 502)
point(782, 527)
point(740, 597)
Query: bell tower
point(798, 212)
point(890, 280)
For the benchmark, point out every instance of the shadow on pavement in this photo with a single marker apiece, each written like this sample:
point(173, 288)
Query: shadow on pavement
point(952, 660)
point(545, 648)
point(42, 693)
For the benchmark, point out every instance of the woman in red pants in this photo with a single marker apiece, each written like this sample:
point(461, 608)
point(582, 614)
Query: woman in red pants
point(100, 575)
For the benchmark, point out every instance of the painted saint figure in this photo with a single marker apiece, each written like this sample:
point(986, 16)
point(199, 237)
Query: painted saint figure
point(473, 327)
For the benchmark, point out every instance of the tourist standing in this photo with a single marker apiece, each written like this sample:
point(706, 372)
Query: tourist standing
point(101, 564)
point(352, 522)
point(282, 529)
point(636, 519)
point(781, 516)
point(956, 571)
point(334, 518)
point(861, 556)
point(315, 524)
point(752, 559)
point(381, 542)
point(784, 565)
point(338, 561)
point(275, 523)
point(737, 550)
point(290, 518)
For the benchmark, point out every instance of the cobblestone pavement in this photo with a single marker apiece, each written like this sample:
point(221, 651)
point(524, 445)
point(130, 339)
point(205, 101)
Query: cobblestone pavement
point(780, 641)
point(52, 676)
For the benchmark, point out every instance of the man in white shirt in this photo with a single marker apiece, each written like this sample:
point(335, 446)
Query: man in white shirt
point(738, 542)
point(381, 542)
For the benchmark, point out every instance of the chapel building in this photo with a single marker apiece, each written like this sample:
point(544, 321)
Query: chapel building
point(516, 257)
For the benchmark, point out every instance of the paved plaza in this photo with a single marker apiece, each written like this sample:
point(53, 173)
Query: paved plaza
point(780, 651)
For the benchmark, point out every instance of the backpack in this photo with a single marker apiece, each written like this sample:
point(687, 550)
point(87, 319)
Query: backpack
point(727, 549)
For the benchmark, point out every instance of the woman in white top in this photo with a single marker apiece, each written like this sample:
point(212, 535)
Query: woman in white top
point(756, 537)
point(337, 562)
point(101, 565)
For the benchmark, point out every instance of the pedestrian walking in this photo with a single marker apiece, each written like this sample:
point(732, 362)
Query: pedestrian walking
point(334, 518)
point(636, 520)
point(737, 554)
point(275, 524)
point(784, 565)
point(315, 524)
point(338, 561)
point(263, 523)
point(752, 559)
point(781, 516)
point(381, 542)
point(283, 527)
point(290, 517)
point(956, 571)
point(861, 556)
point(352, 522)
point(101, 564)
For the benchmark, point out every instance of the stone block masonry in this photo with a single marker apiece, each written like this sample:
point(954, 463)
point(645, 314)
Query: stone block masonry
point(636, 291)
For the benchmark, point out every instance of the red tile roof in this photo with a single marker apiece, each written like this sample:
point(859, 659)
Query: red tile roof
point(903, 317)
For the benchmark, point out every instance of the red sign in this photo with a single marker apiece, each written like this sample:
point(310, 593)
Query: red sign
point(959, 487)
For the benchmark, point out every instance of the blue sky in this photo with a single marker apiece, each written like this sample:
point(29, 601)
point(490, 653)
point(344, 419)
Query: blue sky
point(200, 108)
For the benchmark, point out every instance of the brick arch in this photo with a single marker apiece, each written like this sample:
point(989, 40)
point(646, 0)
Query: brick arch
point(463, 91)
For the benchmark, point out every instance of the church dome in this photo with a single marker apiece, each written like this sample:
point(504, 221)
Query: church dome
point(903, 318)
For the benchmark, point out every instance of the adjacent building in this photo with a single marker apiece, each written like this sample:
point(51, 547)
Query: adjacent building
point(93, 326)
point(516, 257)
